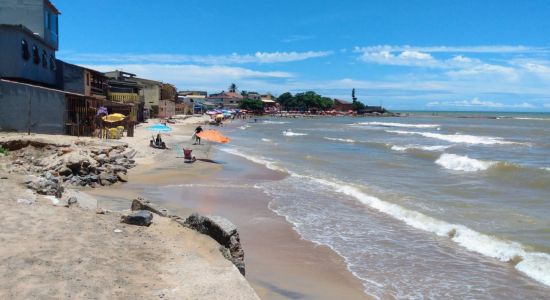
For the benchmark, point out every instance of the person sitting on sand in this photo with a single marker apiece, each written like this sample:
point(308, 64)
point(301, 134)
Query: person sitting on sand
point(197, 131)
point(158, 140)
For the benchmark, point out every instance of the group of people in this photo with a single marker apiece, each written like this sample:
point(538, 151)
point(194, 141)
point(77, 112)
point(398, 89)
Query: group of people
point(157, 142)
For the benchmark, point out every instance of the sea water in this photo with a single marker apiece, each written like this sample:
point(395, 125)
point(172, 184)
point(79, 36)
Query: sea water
point(428, 206)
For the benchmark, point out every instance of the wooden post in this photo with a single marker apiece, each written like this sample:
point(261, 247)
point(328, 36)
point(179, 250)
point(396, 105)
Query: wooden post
point(77, 124)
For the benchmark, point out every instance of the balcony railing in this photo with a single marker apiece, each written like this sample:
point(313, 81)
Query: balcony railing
point(123, 97)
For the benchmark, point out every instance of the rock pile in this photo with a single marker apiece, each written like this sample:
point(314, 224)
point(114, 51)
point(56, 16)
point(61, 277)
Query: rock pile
point(224, 232)
point(76, 165)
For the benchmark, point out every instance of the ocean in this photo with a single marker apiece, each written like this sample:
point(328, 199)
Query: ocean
point(428, 206)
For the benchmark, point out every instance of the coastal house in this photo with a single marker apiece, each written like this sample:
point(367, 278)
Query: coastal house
point(270, 105)
point(251, 95)
point(226, 99)
point(343, 106)
point(30, 97)
point(123, 89)
point(167, 103)
point(191, 102)
point(150, 93)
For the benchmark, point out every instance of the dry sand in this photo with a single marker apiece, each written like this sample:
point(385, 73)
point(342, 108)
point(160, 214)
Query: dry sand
point(54, 252)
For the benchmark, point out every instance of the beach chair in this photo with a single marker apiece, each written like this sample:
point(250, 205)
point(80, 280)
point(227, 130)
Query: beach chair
point(188, 158)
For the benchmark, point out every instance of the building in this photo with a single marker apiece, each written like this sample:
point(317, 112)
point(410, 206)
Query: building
point(226, 99)
point(40, 17)
point(124, 89)
point(251, 95)
point(77, 79)
point(167, 103)
point(270, 105)
point(191, 102)
point(341, 105)
point(150, 94)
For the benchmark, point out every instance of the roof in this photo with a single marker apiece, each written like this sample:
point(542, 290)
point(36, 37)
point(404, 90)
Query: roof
point(342, 101)
point(52, 7)
point(267, 101)
point(226, 95)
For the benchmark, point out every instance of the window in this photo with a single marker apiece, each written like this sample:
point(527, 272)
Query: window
point(44, 59)
point(25, 50)
point(47, 23)
point(35, 55)
point(88, 79)
point(53, 67)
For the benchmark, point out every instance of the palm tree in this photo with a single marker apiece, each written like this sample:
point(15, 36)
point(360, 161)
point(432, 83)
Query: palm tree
point(233, 88)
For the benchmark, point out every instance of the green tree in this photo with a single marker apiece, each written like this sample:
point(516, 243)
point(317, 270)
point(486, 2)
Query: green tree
point(286, 100)
point(326, 103)
point(233, 88)
point(251, 104)
point(357, 106)
point(353, 95)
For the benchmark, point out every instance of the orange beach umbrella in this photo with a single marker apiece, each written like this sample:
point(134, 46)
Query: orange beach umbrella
point(213, 136)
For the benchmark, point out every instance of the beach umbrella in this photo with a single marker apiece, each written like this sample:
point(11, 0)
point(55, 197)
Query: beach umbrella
point(112, 118)
point(159, 128)
point(213, 136)
point(210, 112)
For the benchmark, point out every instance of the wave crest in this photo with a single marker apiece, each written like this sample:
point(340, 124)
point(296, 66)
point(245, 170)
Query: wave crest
point(400, 125)
point(458, 138)
point(462, 163)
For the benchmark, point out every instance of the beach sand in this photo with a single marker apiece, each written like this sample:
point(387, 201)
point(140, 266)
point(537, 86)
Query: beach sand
point(56, 252)
point(279, 263)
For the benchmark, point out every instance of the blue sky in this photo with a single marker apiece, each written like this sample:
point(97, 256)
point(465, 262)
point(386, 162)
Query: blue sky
point(436, 55)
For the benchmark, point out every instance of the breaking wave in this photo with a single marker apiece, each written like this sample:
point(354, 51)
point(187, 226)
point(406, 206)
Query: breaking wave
point(401, 125)
point(419, 147)
point(457, 138)
point(463, 163)
point(339, 140)
point(290, 133)
point(266, 140)
point(534, 264)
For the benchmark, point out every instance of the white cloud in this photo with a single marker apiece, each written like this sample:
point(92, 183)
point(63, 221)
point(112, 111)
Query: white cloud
point(258, 57)
point(405, 58)
point(454, 49)
point(479, 103)
point(483, 69)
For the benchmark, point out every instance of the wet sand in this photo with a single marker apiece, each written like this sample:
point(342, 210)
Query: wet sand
point(279, 263)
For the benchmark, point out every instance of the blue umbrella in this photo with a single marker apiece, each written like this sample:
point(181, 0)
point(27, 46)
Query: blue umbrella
point(159, 128)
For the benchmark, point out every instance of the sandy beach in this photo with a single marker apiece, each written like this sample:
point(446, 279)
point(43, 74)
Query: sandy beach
point(58, 252)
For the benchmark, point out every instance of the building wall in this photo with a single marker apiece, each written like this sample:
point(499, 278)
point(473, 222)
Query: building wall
point(20, 102)
point(167, 108)
point(12, 63)
point(70, 78)
point(151, 95)
point(31, 14)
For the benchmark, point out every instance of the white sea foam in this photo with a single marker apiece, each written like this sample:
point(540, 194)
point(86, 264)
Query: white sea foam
point(420, 147)
point(244, 127)
point(401, 125)
point(457, 138)
point(340, 140)
point(534, 264)
point(255, 159)
point(290, 133)
point(462, 163)
point(266, 140)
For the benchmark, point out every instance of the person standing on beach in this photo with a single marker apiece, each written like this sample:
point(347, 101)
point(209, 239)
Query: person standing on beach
point(197, 131)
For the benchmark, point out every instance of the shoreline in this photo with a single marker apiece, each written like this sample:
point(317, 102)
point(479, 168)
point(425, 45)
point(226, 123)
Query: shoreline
point(205, 193)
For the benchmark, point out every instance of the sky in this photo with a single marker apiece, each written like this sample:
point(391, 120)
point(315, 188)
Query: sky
point(405, 55)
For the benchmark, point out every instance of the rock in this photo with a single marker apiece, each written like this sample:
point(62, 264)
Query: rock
point(122, 177)
point(46, 187)
point(81, 199)
point(106, 178)
point(64, 171)
point(140, 218)
point(129, 153)
point(224, 232)
point(141, 204)
point(102, 158)
point(71, 201)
